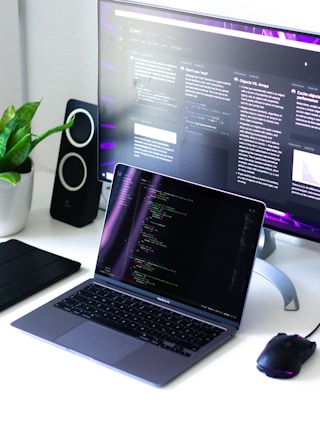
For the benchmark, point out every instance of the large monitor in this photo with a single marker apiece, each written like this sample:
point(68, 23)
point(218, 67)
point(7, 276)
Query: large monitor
point(228, 104)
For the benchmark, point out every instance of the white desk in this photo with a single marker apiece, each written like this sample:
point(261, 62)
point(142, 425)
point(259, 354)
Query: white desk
point(44, 386)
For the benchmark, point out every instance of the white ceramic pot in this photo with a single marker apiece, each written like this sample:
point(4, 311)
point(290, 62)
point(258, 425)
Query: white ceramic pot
point(15, 204)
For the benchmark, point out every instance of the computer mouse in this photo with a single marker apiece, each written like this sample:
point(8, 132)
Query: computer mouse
point(284, 355)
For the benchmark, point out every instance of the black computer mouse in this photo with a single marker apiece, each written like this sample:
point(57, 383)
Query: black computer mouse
point(284, 355)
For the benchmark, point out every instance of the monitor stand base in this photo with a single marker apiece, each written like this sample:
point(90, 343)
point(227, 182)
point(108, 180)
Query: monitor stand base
point(280, 280)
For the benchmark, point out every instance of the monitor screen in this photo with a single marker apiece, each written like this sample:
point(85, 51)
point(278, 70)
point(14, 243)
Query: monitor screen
point(231, 105)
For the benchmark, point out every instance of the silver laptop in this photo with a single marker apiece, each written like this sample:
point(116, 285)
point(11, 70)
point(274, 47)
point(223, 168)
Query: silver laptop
point(171, 278)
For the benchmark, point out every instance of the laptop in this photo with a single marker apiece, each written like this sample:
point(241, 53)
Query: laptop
point(171, 278)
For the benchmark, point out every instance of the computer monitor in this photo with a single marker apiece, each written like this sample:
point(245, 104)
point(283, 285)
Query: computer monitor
point(224, 103)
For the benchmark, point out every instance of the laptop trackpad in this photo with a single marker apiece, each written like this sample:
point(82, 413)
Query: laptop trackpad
point(98, 342)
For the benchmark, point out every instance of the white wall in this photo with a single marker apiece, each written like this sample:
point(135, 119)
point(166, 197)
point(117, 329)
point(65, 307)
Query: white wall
point(10, 77)
point(61, 49)
point(60, 44)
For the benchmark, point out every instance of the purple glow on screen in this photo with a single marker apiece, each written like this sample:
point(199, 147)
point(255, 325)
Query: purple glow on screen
point(111, 163)
point(108, 100)
point(286, 221)
point(107, 145)
point(108, 125)
point(268, 32)
point(108, 66)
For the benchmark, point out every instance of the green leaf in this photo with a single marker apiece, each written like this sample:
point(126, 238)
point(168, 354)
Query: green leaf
point(5, 135)
point(15, 124)
point(25, 113)
point(52, 131)
point(15, 121)
point(11, 177)
point(17, 155)
point(16, 136)
point(16, 139)
point(8, 114)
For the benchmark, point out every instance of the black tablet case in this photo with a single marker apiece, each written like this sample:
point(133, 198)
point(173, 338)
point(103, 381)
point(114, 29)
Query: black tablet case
point(25, 270)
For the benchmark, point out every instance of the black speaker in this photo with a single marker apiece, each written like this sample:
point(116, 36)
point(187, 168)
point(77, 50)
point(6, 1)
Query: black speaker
point(76, 190)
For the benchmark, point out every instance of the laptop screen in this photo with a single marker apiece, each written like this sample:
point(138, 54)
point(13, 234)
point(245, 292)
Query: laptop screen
point(180, 242)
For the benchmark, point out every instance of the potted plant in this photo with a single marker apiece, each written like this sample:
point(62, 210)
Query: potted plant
point(16, 168)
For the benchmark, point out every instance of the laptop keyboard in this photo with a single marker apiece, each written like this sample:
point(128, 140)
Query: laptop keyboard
point(151, 323)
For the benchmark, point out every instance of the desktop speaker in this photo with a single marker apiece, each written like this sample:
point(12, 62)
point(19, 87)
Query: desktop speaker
point(76, 190)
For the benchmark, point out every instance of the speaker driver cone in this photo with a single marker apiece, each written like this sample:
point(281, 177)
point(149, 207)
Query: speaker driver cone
point(81, 133)
point(72, 172)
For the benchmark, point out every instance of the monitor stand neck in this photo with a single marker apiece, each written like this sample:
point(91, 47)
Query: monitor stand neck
point(281, 281)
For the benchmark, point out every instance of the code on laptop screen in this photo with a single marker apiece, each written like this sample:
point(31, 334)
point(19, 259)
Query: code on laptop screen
point(172, 238)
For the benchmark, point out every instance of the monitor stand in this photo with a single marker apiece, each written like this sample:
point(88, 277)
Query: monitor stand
point(281, 281)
